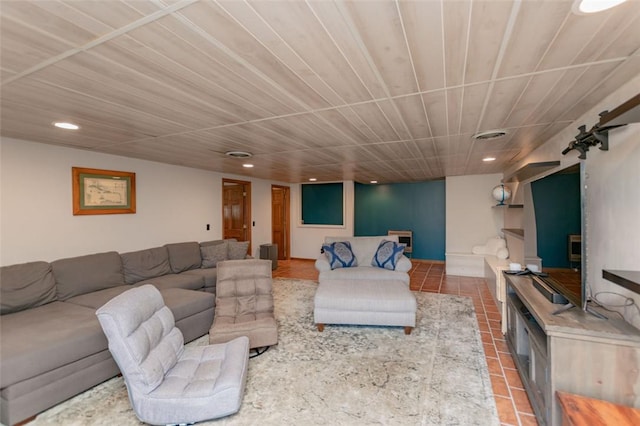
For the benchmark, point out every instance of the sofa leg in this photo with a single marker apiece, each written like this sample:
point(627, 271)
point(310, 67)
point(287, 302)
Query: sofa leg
point(320, 327)
point(407, 330)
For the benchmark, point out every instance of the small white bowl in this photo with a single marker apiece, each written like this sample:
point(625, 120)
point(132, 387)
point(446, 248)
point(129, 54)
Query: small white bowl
point(515, 267)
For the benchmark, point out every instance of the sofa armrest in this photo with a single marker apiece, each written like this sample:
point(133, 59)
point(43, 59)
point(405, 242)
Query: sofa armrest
point(322, 264)
point(404, 264)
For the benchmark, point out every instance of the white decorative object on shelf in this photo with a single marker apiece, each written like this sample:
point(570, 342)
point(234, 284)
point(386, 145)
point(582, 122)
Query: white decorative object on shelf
point(495, 246)
point(501, 193)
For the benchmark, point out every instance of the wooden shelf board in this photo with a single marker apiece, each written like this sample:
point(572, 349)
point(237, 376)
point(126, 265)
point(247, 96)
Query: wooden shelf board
point(509, 206)
point(516, 232)
point(531, 170)
point(627, 279)
point(628, 112)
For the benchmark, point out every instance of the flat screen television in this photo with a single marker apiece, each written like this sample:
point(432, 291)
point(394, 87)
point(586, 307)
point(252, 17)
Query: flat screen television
point(558, 201)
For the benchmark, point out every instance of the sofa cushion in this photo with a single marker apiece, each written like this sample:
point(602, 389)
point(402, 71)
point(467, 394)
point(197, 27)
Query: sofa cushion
point(184, 280)
point(216, 242)
point(41, 339)
point(340, 255)
point(185, 303)
point(84, 274)
point(25, 286)
point(209, 275)
point(184, 256)
point(369, 273)
point(144, 264)
point(237, 250)
point(98, 298)
point(387, 255)
point(212, 254)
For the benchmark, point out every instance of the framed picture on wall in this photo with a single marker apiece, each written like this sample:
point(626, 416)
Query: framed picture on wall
point(98, 191)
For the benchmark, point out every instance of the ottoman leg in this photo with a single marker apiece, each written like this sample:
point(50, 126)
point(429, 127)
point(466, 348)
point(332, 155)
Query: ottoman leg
point(320, 327)
point(407, 330)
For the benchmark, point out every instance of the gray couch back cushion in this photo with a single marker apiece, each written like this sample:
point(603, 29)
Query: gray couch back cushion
point(144, 264)
point(184, 256)
point(26, 286)
point(212, 254)
point(216, 242)
point(84, 274)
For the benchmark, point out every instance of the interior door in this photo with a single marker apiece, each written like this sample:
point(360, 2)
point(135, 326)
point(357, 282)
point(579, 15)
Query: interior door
point(236, 210)
point(280, 220)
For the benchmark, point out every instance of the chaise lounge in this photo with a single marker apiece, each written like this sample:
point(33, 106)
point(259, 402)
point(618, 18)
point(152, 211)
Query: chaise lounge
point(370, 291)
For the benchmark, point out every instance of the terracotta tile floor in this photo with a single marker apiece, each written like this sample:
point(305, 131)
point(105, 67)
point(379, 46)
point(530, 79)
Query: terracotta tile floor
point(513, 405)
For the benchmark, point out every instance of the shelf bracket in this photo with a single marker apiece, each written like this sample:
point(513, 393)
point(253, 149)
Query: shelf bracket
point(587, 139)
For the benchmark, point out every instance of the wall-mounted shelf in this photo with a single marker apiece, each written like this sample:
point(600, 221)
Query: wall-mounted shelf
point(531, 170)
point(514, 232)
point(628, 112)
point(627, 279)
point(508, 206)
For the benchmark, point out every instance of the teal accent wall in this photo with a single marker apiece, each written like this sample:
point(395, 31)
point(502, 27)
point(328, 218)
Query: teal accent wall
point(418, 207)
point(556, 202)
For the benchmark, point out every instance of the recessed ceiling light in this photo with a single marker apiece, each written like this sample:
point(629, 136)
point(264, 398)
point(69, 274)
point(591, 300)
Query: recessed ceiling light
point(247, 165)
point(312, 179)
point(582, 7)
point(373, 181)
point(238, 154)
point(487, 159)
point(67, 126)
point(489, 134)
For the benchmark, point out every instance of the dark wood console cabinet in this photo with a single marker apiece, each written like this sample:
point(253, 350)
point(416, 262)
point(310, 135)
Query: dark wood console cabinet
point(573, 352)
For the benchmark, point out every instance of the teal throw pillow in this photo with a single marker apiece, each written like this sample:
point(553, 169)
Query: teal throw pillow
point(388, 254)
point(340, 255)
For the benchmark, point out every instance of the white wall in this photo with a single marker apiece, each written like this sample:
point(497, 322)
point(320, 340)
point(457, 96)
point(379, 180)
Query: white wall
point(613, 217)
point(470, 218)
point(306, 240)
point(613, 200)
point(174, 204)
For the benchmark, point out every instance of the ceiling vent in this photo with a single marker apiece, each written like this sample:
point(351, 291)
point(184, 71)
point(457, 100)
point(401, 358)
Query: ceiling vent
point(490, 134)
point(238, 154)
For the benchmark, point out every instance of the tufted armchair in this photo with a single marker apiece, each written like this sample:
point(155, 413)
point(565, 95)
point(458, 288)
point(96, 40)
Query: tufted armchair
point(168, 383)
point(244, 303)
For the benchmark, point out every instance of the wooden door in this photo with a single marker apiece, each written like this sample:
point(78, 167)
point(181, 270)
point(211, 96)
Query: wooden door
point(236, 210)
point(280, 220)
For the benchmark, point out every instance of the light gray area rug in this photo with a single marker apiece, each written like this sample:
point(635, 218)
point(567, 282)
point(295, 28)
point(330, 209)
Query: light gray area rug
point(347, 375)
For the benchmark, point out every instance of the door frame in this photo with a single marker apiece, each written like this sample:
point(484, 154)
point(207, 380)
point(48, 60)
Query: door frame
point(287, 218)
point(246, 186)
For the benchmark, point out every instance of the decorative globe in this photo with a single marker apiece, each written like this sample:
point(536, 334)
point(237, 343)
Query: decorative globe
point(501, 194)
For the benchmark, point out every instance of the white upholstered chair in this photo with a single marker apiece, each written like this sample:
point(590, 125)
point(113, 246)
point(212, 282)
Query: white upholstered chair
point(167, 382)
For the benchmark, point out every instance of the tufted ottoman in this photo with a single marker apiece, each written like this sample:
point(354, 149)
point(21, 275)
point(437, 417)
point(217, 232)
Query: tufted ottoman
point(361, 302)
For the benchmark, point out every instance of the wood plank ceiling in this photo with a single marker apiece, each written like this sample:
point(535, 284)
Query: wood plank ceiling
point(336, 90)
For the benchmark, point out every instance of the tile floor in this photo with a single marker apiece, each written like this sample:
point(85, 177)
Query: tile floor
point(513, 405)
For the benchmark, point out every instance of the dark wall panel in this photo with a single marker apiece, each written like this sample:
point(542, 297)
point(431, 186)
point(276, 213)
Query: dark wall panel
point(418, 207)
point(322, 203)
point(556, 200)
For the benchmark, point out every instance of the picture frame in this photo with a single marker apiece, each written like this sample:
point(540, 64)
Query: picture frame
point(97, 191)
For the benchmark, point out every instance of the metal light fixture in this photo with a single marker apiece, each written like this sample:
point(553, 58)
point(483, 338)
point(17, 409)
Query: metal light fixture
point(238, 154)
point(490, 134)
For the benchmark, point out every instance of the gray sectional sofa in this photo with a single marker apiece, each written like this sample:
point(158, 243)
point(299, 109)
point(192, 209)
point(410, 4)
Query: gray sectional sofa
point(51, 344)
